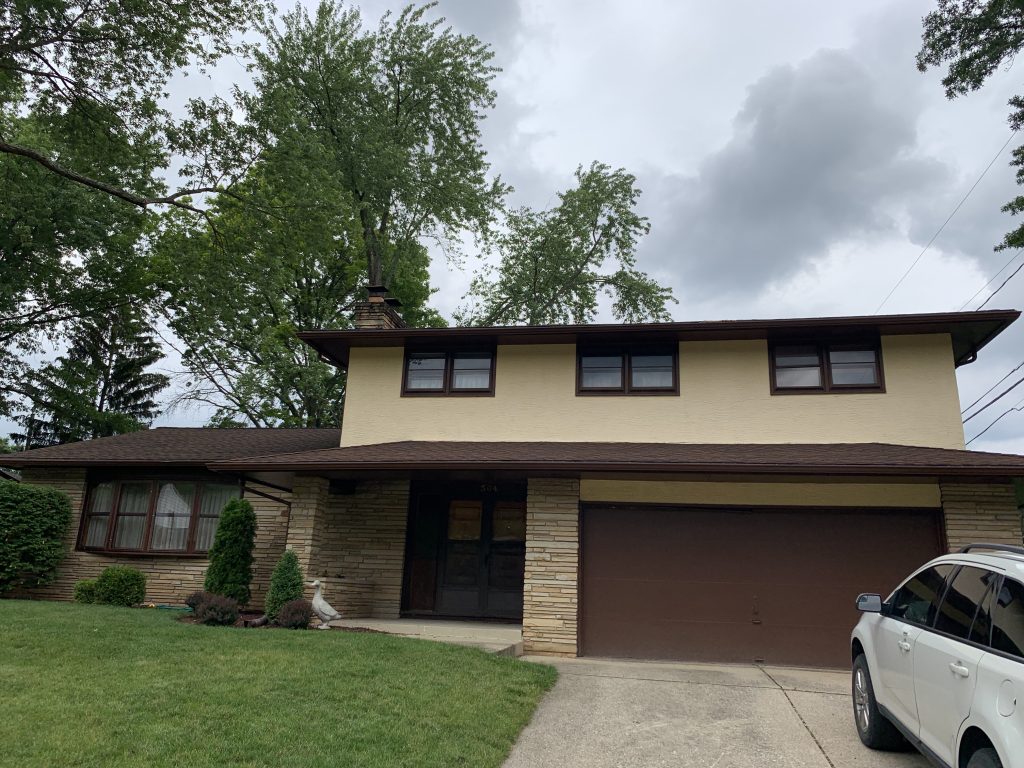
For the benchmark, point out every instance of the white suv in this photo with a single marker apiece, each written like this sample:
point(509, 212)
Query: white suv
point(940, 663)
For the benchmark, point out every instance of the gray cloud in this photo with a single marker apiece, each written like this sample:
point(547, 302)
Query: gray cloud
point(819, 154)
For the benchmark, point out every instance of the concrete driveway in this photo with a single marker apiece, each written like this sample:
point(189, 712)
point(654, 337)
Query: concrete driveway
point(624, 714)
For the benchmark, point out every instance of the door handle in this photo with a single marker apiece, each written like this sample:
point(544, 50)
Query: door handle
point(959, 669)
point(904, 645)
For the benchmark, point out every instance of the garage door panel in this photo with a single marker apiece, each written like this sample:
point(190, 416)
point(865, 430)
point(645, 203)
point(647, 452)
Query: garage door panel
point(740, 585)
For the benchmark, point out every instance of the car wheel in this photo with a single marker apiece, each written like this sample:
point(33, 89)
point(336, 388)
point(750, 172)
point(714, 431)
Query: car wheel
point(872, 726)
point(984, 758)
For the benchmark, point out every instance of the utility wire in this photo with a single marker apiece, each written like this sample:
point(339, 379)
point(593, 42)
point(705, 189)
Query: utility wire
point(1018, 407)
point(948, 219)
point(991, 280)
point(995, 400)
point(997, 290)
point(983, 396)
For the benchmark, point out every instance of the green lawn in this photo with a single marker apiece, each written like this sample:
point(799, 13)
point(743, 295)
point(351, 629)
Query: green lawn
point(102, 686)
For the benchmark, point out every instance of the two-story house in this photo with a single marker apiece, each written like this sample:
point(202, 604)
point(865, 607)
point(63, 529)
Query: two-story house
point(700, 490)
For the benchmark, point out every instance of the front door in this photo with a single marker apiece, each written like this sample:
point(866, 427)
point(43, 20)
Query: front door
point(482, 559)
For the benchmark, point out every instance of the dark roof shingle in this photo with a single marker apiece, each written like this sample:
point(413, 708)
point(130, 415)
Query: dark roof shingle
point(176, 446)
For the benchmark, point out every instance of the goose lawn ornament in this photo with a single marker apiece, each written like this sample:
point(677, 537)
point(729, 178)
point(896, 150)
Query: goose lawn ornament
point(322, 608)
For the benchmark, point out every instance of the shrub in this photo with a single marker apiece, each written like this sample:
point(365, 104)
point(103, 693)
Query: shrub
point(33, 523)
point(230, 568)
point(85, 591)
point(295, 614)
point(217, 609)
point(193, 600)
point(285, 584)
point(121, 585)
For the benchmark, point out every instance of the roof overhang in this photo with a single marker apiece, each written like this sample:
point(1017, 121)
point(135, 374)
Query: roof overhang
point(970, 331)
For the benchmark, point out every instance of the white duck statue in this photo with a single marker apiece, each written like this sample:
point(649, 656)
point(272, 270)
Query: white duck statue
point(322, 608)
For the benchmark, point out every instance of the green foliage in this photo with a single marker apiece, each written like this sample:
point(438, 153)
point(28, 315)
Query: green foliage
point(33, 523)
point(554, 264)
point(295, 614)
point(216, 610)
point(230, 570)
point(121, 585)
point(85, 591)
point(100, 387)
point(973, 39)
point(285, 584)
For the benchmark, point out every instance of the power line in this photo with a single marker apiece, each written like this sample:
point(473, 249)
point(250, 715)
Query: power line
point(985, 394)
point(991, 280)
point(995, 400)
point(948, 219)
point(1018, 407)
point(997, 290)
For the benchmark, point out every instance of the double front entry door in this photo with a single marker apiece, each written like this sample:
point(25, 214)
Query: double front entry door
point(467, 556)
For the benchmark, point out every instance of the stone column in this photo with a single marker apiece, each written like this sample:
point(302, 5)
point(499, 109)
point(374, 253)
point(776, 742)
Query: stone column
point(307, 522)
point(981, 512)
point(551, 582)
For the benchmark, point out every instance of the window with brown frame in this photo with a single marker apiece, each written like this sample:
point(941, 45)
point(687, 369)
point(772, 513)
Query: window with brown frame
point(164, 515)
point(640, 371)
point(826, 367)
point(449, 373)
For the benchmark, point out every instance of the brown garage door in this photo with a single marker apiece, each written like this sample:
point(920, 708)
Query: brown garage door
point(739, 585)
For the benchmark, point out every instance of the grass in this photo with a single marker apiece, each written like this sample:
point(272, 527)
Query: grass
point(84, 685)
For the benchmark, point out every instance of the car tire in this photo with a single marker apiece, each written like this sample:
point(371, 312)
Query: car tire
point(873, 727)
point(984, 758)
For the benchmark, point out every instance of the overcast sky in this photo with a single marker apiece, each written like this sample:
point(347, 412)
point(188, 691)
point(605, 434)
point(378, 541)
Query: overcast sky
point(794, 162)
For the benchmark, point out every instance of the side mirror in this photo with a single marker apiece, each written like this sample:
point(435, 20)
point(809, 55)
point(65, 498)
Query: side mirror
point(869, 603)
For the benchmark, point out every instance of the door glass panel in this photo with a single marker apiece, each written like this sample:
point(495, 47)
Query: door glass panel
point(917, 600)
point(960, 605)
point(1008, 621)
point(509, 521)
point(464, 520)
point(131, 516)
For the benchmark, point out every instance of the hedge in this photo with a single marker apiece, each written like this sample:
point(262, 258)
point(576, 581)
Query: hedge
point(33, 525)
point(230, 570)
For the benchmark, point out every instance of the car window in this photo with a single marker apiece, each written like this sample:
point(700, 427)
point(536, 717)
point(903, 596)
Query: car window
point(917, 600)
point(981, 631)
point(1008, 619)
point(960, 604)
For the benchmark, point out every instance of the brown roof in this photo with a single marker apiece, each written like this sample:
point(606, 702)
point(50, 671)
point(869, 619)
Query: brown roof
point(825, 459)
point(970, 332)
point(177, 446)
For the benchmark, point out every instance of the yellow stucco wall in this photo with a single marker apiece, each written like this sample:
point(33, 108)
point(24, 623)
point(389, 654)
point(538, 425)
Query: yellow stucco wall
point(724, 398)
point(808, 494)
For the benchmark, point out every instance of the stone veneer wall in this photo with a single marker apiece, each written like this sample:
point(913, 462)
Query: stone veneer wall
point(169, 579)
point(360, 556)
point(981, 512)
point(551, 585)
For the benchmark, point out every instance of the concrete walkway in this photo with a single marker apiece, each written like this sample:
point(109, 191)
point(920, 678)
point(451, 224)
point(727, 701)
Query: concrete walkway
point(616, 714)
point(505, 639)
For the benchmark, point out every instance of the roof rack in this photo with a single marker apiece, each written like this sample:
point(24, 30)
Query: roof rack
point(994, 548)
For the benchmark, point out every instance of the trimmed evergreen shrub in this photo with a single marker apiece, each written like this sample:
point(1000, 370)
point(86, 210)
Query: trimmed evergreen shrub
point(33, 524)
point(217, 610)
point(295, 614)
point(121, 585)
point(85, 591)
point(230, 570)
point(285, 584)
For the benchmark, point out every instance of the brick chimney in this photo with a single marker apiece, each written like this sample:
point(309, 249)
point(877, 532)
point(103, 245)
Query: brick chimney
point(379, 311)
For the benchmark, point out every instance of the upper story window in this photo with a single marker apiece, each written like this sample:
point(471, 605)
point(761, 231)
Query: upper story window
point(176, 516)
point(449, 373)
point(628, 371)
point(829, 367)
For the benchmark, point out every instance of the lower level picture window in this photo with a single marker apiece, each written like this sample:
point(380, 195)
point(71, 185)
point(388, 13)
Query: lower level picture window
point(172, 515)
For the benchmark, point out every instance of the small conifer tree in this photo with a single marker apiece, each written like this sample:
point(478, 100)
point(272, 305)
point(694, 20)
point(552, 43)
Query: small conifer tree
point(230, 570)
point(285, 583)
